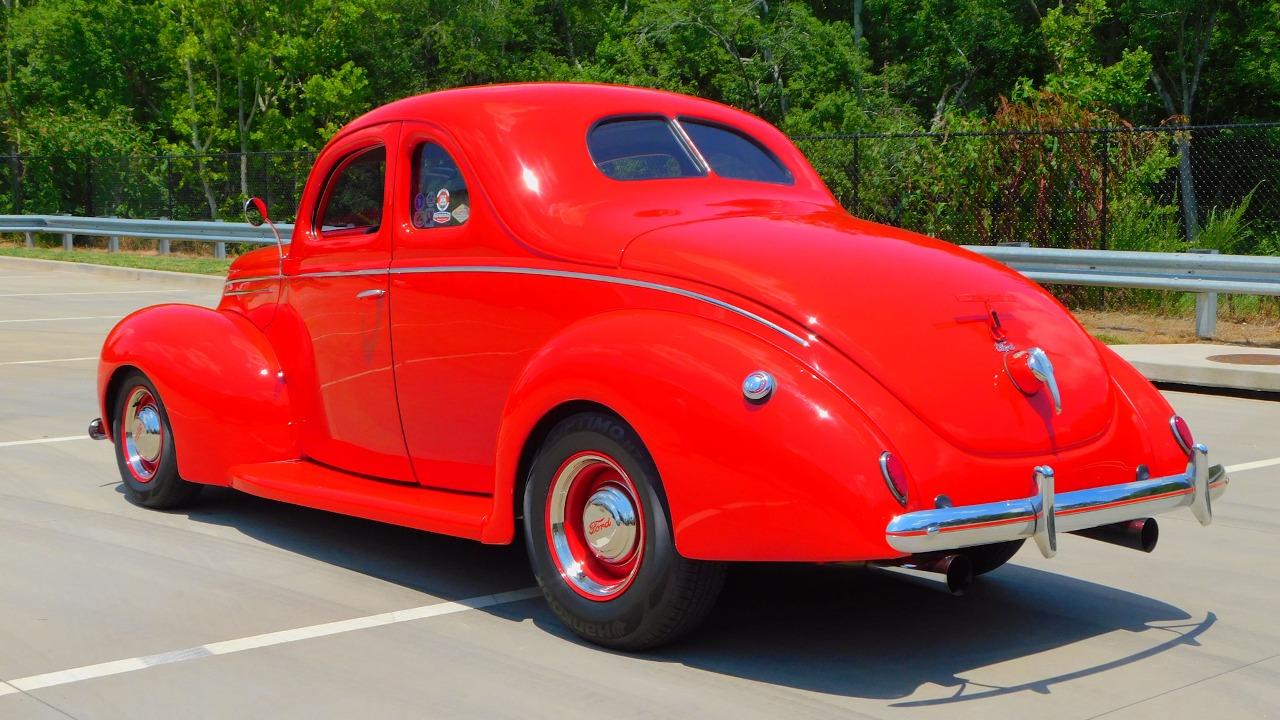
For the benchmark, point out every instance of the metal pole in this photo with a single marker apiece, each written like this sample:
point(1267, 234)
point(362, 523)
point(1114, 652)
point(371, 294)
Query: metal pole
point(168, 179)
point(857, 175)
point(88, 181)
point(113, 242)
point(1206, 305)
point(1103, 239)
point(15, 182)
point(31, 241)
point(68, 242)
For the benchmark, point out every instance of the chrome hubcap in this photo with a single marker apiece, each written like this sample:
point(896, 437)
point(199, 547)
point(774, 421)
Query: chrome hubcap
point(143, 434)
point(595, 526)
point(609, 524)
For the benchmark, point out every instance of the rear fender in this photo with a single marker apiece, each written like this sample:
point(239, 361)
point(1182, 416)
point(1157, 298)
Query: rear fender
point(795, 477)
point(219, 379)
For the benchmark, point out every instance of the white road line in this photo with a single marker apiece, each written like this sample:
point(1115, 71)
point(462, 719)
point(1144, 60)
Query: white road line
point(1255, 465)
point(12, 443)
point(96, 292)
point(226, 647)
point(78, 317)
point(42, 362)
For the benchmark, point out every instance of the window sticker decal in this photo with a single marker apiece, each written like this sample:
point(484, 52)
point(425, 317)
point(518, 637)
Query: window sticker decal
point(442, 199)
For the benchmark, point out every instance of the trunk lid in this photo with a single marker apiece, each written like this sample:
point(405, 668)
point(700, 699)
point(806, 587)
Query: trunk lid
point(914, 312)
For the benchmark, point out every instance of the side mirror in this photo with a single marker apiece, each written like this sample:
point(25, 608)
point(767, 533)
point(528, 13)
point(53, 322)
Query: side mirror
point(255, 211)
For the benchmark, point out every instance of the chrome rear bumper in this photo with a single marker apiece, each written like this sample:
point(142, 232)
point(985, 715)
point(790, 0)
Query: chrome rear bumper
point(1043, 515)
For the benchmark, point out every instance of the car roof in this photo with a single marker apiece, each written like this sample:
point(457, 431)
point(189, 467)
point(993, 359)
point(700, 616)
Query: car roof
point(526, 143)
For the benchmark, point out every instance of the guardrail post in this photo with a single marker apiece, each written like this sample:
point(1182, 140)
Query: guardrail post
point(113, 241)
point(68, 242)
point(220, 248)
point(162, 244)
point(31, 241)
point(1206, 306)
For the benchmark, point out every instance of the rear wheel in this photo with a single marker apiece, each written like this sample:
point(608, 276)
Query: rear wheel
point(985, 558)
point(144, 447)
point(600, 541)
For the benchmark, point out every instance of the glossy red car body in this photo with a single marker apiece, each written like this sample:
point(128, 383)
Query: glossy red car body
point(407, 375)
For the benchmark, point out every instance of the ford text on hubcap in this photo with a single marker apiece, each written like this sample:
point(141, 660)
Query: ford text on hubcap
point(595, 526)
point(143, 434)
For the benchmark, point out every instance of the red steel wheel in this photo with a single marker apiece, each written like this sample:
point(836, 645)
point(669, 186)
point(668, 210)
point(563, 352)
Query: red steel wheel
point(599, 538)
point(142, 434)
point(144, 446)
point(595, 526)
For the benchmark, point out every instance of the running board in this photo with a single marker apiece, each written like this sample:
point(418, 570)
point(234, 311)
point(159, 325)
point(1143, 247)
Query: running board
point(315, 486)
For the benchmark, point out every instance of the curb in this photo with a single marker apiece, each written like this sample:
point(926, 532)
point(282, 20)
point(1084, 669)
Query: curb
point(1188, 364)
point(204, 282)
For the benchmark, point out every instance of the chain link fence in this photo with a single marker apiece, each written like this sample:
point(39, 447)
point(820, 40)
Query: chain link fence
point(176, 187)
point(1147, 188)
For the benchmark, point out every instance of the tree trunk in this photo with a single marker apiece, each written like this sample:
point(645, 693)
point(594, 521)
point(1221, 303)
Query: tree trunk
point(1187, 187)
point(857, 21)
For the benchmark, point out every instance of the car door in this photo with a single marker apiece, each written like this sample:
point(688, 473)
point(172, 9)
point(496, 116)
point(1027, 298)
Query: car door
point(459, 335)
point(337, 285)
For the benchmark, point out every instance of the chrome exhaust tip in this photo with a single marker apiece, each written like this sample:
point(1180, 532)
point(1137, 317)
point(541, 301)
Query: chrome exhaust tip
point(1141, 534)
point(95, 429)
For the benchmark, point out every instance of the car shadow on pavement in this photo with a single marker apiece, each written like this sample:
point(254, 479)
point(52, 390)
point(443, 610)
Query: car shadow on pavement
point(828, 629)
point(854, 633)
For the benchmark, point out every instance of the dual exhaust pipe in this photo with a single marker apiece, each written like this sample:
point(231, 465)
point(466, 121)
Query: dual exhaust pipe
point(956, 569)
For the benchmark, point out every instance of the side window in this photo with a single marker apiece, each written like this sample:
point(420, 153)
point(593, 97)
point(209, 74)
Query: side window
point(732, 154)
point(640, 149)
point(440, 197)
point(353, 198)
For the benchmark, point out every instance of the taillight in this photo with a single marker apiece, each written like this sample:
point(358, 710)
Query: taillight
point(1182, 433)
point(895, 476)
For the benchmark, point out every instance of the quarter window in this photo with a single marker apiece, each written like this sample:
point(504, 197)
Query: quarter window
point(440, 197)
point(640, 149)
point(354, 196)
point(732, 154)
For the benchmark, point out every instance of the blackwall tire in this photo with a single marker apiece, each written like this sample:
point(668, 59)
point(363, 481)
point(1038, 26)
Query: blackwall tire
point(144, 447)
point(600, 542)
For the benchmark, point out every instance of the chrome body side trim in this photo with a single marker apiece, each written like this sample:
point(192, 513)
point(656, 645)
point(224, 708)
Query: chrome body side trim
point(629, 282)
point(250, 291)
point(1045, 514)
point(594, 277)
point(255, 278)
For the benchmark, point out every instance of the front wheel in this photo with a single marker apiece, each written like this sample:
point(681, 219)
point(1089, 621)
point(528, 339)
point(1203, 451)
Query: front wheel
point(600, 542)
point(144, 447)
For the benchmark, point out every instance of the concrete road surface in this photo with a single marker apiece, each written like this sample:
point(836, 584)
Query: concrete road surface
point(245, 608)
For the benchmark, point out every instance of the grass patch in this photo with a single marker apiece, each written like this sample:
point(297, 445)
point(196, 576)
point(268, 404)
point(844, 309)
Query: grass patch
point(173, 263)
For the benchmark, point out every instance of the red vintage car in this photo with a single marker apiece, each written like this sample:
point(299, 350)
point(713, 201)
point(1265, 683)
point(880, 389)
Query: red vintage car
point(638, 328)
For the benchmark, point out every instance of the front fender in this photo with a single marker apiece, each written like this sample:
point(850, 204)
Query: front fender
point(220, 382)
point(794, 478)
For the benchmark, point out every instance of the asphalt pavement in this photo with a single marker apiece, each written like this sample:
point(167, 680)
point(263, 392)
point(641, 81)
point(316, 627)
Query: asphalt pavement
point(246, 608)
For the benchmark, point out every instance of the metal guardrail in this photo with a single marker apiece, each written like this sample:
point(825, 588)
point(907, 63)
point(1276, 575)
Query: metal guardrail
point(1202, 273)
point(68, 226)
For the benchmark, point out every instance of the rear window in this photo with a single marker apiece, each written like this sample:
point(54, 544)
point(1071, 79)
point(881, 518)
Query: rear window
point(732, 154)
point(640, 149)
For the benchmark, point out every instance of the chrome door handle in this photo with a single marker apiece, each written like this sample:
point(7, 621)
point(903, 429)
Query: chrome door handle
point(374, 293)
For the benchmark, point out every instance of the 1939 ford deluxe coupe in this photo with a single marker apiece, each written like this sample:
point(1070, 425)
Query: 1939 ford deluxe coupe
point(638, 328)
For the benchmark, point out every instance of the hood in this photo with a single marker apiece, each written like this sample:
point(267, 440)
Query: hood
point(914, 312)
